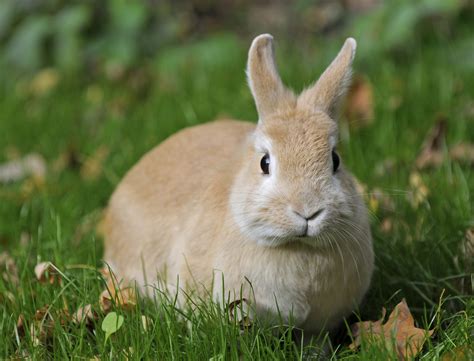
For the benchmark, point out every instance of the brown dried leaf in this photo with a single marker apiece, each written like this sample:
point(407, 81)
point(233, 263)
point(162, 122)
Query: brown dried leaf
point(398, 333)
point(8, 268)
point(44, 321)
point(84, 314)
point(124, 298)
point(20, 326)
point(359, 108)
point(462, 152)
point(47, 272)
point(386, 225)
point(432, 154)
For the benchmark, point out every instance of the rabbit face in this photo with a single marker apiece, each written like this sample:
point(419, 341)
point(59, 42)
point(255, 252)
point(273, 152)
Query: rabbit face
point(301, 195)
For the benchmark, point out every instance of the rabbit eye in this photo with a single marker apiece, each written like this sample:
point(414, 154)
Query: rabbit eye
point(335, 161)
point(265, 164)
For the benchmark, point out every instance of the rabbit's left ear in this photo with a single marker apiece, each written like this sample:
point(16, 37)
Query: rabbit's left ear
point(332, 86)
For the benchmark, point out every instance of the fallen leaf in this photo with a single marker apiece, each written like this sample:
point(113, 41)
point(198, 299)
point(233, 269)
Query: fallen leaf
point(8, 269)
point(20, 326)
point(84, 314)
point(44, 322)
point(462, 152)
point(123, 297)
point(387, 225)
point(359, 106)
point(111, 324)
point(32, 164)
point(46, 272)
point(93, 166)
point(398, 334)
point(432, 153)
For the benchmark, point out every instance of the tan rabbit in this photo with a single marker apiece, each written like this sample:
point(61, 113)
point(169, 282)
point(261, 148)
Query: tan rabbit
point(267, 209)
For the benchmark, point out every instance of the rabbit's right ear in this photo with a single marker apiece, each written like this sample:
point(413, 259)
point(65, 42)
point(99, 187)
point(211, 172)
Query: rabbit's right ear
point(267, 88)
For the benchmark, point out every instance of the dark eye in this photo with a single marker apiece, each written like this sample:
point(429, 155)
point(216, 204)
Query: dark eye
point(335, 161)
point(265, 164)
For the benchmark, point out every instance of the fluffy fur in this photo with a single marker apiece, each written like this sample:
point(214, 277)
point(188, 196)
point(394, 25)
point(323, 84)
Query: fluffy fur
point(197, 210)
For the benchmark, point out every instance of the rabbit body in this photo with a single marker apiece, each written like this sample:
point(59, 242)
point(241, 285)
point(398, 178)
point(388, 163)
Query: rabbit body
point(198, 213)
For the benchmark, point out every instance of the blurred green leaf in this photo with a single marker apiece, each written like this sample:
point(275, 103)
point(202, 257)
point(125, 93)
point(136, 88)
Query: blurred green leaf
point(7, 12)
point(68, 25)
point(400, 24)
point(25, 47)
point(123, 35)
point(215, 51)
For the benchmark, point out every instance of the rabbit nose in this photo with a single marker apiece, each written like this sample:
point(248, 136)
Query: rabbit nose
point(309, 216)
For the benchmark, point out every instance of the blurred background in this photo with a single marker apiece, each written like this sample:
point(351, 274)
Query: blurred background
point(87, 87)
point(94, 38)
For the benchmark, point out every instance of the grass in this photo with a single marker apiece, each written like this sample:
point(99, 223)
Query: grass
point(419, 258)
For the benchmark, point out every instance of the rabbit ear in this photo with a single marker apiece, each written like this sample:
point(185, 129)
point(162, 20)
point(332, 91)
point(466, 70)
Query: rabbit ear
point(267, 88)
point(333, 83)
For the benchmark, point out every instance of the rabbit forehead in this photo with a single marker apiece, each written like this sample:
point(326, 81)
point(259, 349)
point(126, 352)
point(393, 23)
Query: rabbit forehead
point(298, 139)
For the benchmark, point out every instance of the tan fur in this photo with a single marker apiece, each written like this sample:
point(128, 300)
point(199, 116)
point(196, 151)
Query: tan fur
point(197, 209)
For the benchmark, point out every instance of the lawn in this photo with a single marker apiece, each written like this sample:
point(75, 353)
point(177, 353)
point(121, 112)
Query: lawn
point(90, 130)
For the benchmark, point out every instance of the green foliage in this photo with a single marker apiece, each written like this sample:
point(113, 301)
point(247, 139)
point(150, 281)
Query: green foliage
point(73, 35)
point(399, 24)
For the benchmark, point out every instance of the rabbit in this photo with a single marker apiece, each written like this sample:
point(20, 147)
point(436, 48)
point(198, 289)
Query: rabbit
point(263, 211)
